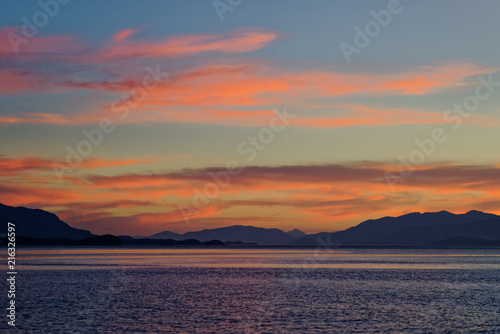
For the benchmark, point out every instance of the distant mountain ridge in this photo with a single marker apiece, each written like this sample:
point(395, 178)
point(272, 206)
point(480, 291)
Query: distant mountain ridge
point(414, 229)
point(248, 234)
point(296, 233)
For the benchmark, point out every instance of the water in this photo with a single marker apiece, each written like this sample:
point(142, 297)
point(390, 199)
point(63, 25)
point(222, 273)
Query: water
point(127, 290)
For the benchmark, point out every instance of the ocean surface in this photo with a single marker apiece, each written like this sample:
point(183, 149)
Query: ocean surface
point(159, 290)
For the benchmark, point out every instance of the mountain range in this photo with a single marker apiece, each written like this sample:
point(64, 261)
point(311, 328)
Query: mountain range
point(414, 229)
point(247, 234)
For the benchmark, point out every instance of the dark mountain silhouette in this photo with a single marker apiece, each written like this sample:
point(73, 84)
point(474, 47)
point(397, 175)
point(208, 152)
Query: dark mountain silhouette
point(420, 235)
point(296, 233)
point(37, 223)
point(414, 229)
point(382, 228)
point(125, 237)
point(129, 241)
point(164, 235)
point(191, 242)
point(100, 240)
point(247, 234)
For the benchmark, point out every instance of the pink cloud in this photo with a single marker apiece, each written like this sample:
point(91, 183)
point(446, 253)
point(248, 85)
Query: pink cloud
point(240, 41)
point(10, 166)
point(220, 92)
point(126, 33)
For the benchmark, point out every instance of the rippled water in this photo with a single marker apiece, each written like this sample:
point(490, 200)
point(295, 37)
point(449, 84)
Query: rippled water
point(125, 290)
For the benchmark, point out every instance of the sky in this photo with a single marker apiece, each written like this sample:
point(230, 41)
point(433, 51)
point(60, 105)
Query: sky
point(130, 117)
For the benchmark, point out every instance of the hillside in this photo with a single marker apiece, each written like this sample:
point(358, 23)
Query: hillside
point(37, 223)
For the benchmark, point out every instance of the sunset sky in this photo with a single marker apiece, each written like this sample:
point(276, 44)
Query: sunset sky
point(172, 92)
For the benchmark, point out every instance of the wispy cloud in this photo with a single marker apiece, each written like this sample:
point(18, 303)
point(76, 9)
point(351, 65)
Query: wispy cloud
point(10, 165)
point(239, 41)
point(328, 197)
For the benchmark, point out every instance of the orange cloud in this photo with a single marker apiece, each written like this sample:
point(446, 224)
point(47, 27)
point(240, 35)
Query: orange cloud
point(327, 176)
point(126, 33)
point(57, 51)
point(254, 84)
point(240, 41)
point(351, 115)
point(18, 194)
point(226, 93)
point(449, 75)
point(327, 197)
point(10, 166)
point(213, 94)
